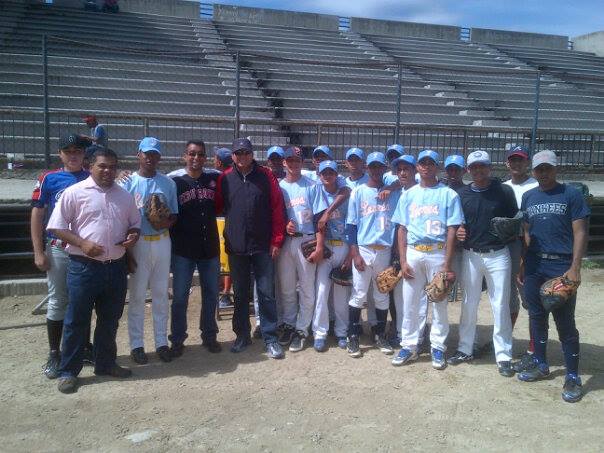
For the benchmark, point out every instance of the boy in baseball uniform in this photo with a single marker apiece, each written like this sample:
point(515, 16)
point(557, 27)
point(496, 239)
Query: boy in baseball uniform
point(370, 235)
point(428, 214)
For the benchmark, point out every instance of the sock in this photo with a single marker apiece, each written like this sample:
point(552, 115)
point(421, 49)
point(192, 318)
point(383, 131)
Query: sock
point(381, 316)
point(55, 332)
point(354, 323)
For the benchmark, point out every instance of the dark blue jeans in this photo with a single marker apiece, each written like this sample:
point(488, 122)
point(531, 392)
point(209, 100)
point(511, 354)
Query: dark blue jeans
point(209, 273)
point(537, 271)
point(262, 265)
point(102, 287)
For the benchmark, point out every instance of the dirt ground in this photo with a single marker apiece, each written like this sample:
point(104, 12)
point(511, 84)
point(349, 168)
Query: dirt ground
point(307, 402)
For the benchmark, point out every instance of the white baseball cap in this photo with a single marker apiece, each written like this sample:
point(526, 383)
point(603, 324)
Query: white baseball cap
point(479, 157)
point(545, 157)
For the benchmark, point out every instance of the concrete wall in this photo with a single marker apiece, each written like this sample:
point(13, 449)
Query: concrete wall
point(178, 8)
point(228, 13)
point(404, 29)
point(592, 42)
point(519, 38)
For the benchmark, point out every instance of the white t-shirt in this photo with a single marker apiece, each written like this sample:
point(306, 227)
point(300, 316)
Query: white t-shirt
point(520, 189)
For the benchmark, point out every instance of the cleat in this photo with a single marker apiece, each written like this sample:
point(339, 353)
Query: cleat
point(403, 357)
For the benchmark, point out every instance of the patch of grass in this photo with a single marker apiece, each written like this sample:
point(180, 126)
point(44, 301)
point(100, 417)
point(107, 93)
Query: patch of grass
point(592, 264)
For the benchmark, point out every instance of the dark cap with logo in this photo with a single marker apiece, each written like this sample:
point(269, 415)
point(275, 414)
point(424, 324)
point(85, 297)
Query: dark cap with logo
point(242, 144)
point(73, 140)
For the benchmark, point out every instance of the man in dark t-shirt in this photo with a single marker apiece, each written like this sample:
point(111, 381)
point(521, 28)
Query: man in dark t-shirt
point(195, 244)
point(485, 255)
point(555, 236)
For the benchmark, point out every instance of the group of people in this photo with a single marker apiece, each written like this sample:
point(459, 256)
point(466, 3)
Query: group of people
point(392, 206)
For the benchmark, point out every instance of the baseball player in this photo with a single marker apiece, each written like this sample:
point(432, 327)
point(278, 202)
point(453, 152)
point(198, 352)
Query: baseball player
point(334, 238)
point(319, 154)
point(50, 254)
point(152, 253)
point(455, 168)
point(393, 152)
point(370, 235)
point(555, 235)
point(303, 201)
point(98, 132)
point(485, 256)
point(274, 156)
point(428, 214)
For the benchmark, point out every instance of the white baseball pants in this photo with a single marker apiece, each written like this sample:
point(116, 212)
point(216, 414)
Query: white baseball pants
point(375, 262)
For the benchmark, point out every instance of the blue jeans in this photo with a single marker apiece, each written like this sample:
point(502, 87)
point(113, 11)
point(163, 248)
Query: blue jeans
point(209, 273)
point(102, 287)
point(263, 267)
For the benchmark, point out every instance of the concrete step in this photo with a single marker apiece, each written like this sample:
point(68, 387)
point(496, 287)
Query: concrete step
point(451, 95)
point(491, 123)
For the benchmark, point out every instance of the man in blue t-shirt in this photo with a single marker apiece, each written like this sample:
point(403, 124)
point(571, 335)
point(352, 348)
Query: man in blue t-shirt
point(98, 132)
point(555, 235)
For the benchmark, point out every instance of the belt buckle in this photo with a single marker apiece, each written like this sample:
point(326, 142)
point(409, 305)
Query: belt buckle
point(377, 247)
point(335, 242)
point(424, 247)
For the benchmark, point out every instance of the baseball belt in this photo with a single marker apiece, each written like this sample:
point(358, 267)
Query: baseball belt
point(376, 247)
point(335, 242)
point(427, 247)
point(155, 237)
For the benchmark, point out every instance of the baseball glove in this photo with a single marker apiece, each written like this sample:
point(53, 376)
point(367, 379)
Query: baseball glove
point(557, 291)
point(507, 229)
point(440, 286)
point(341, 277)
point(156, 211)
point(308, 247)
point(388, 278)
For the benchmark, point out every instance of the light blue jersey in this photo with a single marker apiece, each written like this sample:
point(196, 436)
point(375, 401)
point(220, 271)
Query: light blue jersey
point(142, 189)
point(357, 182)
point(337, 220)
point(303, 199)
point(390, 178)
point(426, 212)
point(372, 216)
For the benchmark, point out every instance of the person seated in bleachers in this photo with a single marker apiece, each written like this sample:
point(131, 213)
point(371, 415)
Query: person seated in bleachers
point(90, 5)
point(110, 6)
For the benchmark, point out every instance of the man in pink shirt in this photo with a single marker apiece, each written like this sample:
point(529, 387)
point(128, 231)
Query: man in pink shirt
point(98, 220)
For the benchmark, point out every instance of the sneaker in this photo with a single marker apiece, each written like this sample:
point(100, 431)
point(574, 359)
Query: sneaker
point(438, 359)
point(320, 345)
point(88, 356)
point(240, 344)
point(297, 343)
point(225, 301)
point(342, 342)
point(572, 390)
point(139, 356)
point(534, 372)
point(353, 347)
point(67, 384)
point(212, 345)
point(163, 352)
point(257, 334)
point(274, 350)
point(51, 369)
point(286, 335)
point(459, 357)
point(505, 368)
point(177, 349)
point(115, 371)
point(403, 357)
point(382, 344)
point(525, 362)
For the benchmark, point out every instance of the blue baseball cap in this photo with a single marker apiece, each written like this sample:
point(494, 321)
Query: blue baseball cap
point(455, 159)
point(149, 144)
point(328, 164)
point(355, 152)
point(293, 151)
point(376, 157)
point(429, 154)
point(224, 155)
point(322, 149)
point(406, 158)
point(275, 150)
point(398, 149)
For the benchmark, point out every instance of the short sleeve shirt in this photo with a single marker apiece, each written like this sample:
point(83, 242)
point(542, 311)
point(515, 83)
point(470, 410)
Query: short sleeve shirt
point(336, 224)
point(302, 200)
point(100, 134)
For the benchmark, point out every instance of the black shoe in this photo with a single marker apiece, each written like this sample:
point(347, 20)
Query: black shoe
point(139, 356)
point(51, 369)
point(287, 335)
point(88, 357)
point(213, 346)
point(525, 362)
point(115, 371)
point(163, 352)
point(383, 345)
point(297, 343)
point(505, 368)
point(257, 334)
point(274, 350)
point(352, 347)
point(177, 349)
point(573, 390)
point(459, 357)
point(67, 384)
point(241, 343)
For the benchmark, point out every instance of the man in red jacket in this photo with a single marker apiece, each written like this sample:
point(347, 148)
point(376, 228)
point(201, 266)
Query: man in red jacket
point(254, 232)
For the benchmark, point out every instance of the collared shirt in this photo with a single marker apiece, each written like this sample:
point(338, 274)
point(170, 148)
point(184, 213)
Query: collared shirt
point(100, 215)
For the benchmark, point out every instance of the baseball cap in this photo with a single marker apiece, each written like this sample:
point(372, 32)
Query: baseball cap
point(376, 157)
point(430, 154)
point(455, 159)
point(242, 144)
point(73, 140)
point(224, 155)
point(545, 157)
point(293, 151)
point(148, 144)
point(406, 158)
point(328, 164)
point(355, 152)
point(399, 149)
point(274, 150)
point(519, 151)
point(322, 149)
point(479, 157)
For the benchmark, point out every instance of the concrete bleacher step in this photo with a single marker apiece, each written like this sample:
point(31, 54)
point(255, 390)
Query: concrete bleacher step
point(491, 123)
point(480, 113)
point(451, 94)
